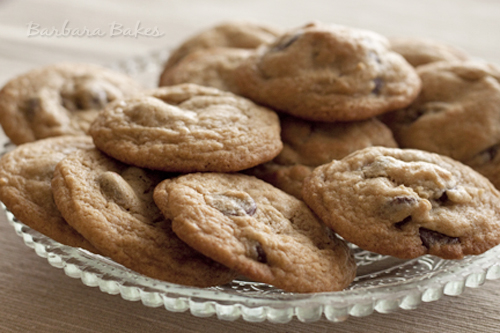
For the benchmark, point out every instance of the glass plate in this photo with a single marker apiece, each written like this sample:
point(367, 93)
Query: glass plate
point(383, 283)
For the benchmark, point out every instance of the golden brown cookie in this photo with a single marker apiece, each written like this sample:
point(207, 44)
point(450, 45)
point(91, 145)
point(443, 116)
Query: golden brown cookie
point(421, 51)
point(288, 178)
point(112, 205)
point(211, 67)
point(309, 144)
point(406, 203)
point(257, 230)
point(59, 99)
point(487, 163)
point(25, 186)
point(187, 128)
point(233, 34)
point(316, 143)
point(457, 113)
point(325, 72)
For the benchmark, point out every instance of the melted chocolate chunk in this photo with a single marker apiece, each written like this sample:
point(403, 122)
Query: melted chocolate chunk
point(85, 100)
point(443, 199)
point(261, 254)
point(412, 114)
point(116, 189)
point(400, 205)
point(30, 108)
point(158, 218)
point(286, 43)
point(399, 225)
point(378, 85)
point(430, 238)
point(251, 209)
point(80, 103)
point(403, 201)
point(490, 153)
point(96, 99)
point(375, 57)
point(233, 203)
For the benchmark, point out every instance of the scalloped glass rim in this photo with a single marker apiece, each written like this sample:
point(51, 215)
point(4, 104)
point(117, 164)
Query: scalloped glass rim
point(383, 290)
point(383, 284)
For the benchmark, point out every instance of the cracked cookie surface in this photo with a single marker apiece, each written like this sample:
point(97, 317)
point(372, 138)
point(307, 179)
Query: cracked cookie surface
point(25, 186)
point(421, 51)
point(328, 73)
point(59, 99)
point(230, 34)
point(213, 67)
point(457, 113)
point(112, 205)
point(406, 203)
point(308, 144)
point(257, 230)
point(188, 128)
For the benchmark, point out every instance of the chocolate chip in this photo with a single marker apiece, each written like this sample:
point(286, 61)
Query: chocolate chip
point(402, 200)
point(30, 108)
point(97, 99)
point(413, 113)
point(490, 153)
point(430, 238)
point(261, 254)
point(399, 225)
point(286, 43)
point(89, 99)
point(251, 209)
point(158, 218)
point(116, 189)
point(443, 199)
point(399, 207)
point(233, 203)
point(94, 99)
point(375, 57)
point(79, 103)
point(378, 85)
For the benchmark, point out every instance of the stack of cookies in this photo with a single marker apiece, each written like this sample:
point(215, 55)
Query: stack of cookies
point(260, 147)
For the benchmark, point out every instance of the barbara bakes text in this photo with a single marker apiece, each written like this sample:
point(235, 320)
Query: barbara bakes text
point(115, 30)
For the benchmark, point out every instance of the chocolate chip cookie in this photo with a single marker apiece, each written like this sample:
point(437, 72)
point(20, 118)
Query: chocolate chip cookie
point(233, 34)
point(457, 113)
point(257, 230)
point(325, 72)
point(421, 51)
point(25, 186)
point(60, 99)
point(212, 67)
point(111, 204)
point(188, 128)
point(287, 178)
point(308, 144)
point(406, 203)
point(487, 163)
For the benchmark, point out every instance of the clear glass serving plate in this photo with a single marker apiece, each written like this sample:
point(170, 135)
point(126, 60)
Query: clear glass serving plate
point(383, 283)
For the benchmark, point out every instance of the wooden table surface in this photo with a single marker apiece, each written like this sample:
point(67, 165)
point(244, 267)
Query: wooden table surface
point(35, 297)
